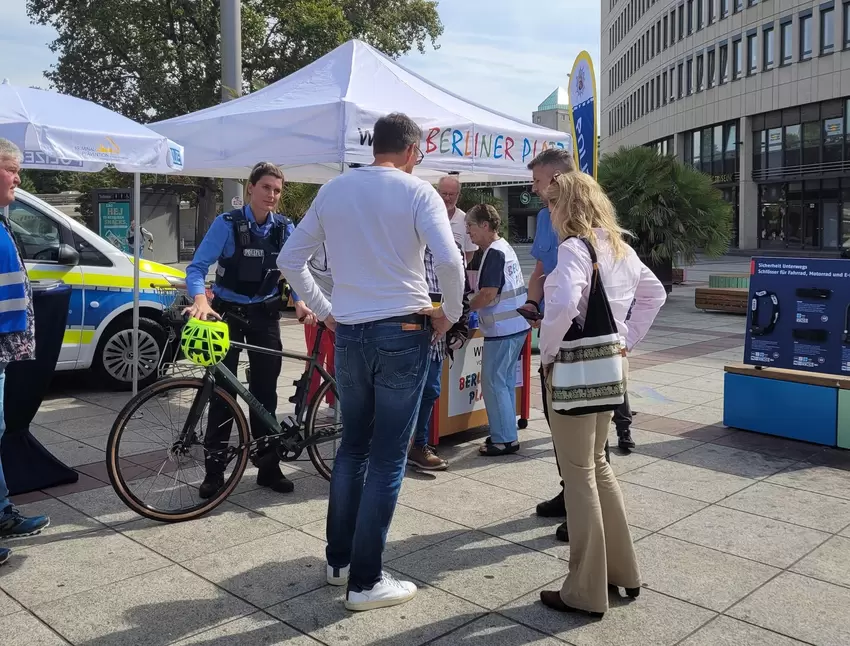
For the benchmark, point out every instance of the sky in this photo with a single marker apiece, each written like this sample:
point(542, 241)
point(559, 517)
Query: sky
point(505, 54)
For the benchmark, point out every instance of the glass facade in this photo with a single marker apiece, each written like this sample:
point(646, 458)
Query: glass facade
point(812, 214)
point(714, 150)
point(809, 148)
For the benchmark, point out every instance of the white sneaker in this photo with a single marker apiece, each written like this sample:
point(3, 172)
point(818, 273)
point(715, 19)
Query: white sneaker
point(338, 575)
point(387, 592)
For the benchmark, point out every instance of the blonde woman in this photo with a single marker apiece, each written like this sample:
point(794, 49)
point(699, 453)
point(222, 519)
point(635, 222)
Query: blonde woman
point(601, 550)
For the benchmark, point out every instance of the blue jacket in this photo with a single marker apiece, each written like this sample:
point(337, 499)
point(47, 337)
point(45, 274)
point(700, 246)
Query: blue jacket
point(14, 296)
point(219, 243)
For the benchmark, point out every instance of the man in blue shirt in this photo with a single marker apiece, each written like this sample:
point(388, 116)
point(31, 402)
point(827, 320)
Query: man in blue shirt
point(544, 168)
point(245, 243)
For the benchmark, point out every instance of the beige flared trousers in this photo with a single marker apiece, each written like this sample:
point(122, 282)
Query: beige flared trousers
point(601, 548)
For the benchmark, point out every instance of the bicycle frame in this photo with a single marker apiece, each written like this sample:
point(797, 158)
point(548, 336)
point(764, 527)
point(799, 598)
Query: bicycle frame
point(223, 376)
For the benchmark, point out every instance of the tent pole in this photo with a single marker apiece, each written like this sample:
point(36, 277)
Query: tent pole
point(137, 234)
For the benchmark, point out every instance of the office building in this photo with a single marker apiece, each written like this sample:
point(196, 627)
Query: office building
point(755, 93)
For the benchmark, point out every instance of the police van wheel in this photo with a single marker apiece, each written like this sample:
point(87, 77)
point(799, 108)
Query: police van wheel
point(113, 361)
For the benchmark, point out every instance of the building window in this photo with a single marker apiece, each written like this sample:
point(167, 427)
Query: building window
point(664, 83)
point(696, 149)
point(774, 148)
point(739, 5)
point(706, 151)
point(787, 44)
point(717, 151)
point(752, 54)
point(846, 25)
point(700, 82)
point(805, 38)
point(689, 73)
point(699, 15)
point(793, 145)
point(710, 12)
point(752, 3)
point(724, 8)
point(827, 30)
point(768, 48)
point(712, 79)
point(737, 59)
point(658, 37)
point(681, 21)
point(664, 39)
point(730, 155)
point(672, 89)
point(724, 64)
point(833, 139)
point(680, 74)
point(811, 143)
point(690, 17)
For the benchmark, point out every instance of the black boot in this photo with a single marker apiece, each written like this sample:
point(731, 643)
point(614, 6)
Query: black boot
point(562, 533)
point(624, 439)
point(554, 508)
point(271, 476)
point(211, 485)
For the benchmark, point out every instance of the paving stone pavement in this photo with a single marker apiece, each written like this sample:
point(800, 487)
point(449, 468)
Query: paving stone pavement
point(743, 540)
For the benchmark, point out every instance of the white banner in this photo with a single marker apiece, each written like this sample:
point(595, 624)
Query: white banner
point(464, 385)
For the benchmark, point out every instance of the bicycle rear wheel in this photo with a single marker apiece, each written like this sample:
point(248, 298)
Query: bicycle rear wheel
point(153, 473)
point(324, 423)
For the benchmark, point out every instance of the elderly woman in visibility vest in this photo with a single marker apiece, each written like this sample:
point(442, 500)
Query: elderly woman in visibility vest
point(500, 291)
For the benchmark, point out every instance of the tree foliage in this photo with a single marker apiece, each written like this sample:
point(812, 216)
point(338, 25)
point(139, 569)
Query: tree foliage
point(157, 59)
point(673, 210)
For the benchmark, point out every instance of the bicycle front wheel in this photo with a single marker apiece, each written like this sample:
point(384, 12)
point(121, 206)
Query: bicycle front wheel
point(324, 424)
point(156, 465)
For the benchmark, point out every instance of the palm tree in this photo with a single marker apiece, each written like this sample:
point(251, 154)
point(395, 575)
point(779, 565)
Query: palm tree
point(673, 210)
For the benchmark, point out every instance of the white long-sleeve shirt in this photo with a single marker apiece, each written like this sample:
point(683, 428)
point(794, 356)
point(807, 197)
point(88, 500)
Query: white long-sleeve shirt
point(626, 281)
point(375, 222)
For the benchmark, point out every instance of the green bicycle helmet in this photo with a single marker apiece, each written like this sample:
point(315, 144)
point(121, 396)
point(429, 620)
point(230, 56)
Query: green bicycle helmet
point(205, 343)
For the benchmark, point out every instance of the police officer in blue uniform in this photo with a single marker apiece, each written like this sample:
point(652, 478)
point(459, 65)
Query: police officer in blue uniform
point(245, 243)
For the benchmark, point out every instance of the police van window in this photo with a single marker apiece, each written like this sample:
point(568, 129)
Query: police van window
point(89, 255)
point(37, 235)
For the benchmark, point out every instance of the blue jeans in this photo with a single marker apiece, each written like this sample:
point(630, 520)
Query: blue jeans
point(498, 385)
point(4, 490)
point(430, 395)
point(380, 373)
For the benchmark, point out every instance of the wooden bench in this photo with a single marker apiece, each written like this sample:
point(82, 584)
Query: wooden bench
point(734, 300)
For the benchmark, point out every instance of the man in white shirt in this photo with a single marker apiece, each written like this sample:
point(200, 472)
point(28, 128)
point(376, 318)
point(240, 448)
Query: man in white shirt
point(449, 189)
point(375, 222)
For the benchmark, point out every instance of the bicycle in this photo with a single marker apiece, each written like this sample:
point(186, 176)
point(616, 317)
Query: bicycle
point(310, 427)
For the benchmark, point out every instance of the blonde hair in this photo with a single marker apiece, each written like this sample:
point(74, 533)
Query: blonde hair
point(578, 205)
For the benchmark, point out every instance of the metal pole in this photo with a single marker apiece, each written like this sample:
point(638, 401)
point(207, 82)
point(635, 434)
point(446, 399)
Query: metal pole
point(231, 77)
point(137, 235)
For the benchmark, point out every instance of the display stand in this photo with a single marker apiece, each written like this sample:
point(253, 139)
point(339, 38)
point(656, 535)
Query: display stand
point(814, 408)
point(27, 465)
point(461, 405)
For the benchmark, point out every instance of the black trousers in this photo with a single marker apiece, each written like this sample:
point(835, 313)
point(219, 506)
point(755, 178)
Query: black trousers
point(262, 329)
point(622, 420)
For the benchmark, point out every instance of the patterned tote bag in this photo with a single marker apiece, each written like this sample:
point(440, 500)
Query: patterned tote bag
point(587, 376)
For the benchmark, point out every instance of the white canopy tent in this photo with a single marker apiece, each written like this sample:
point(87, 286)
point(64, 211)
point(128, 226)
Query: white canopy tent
point(59, 132)
point(319, 119)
